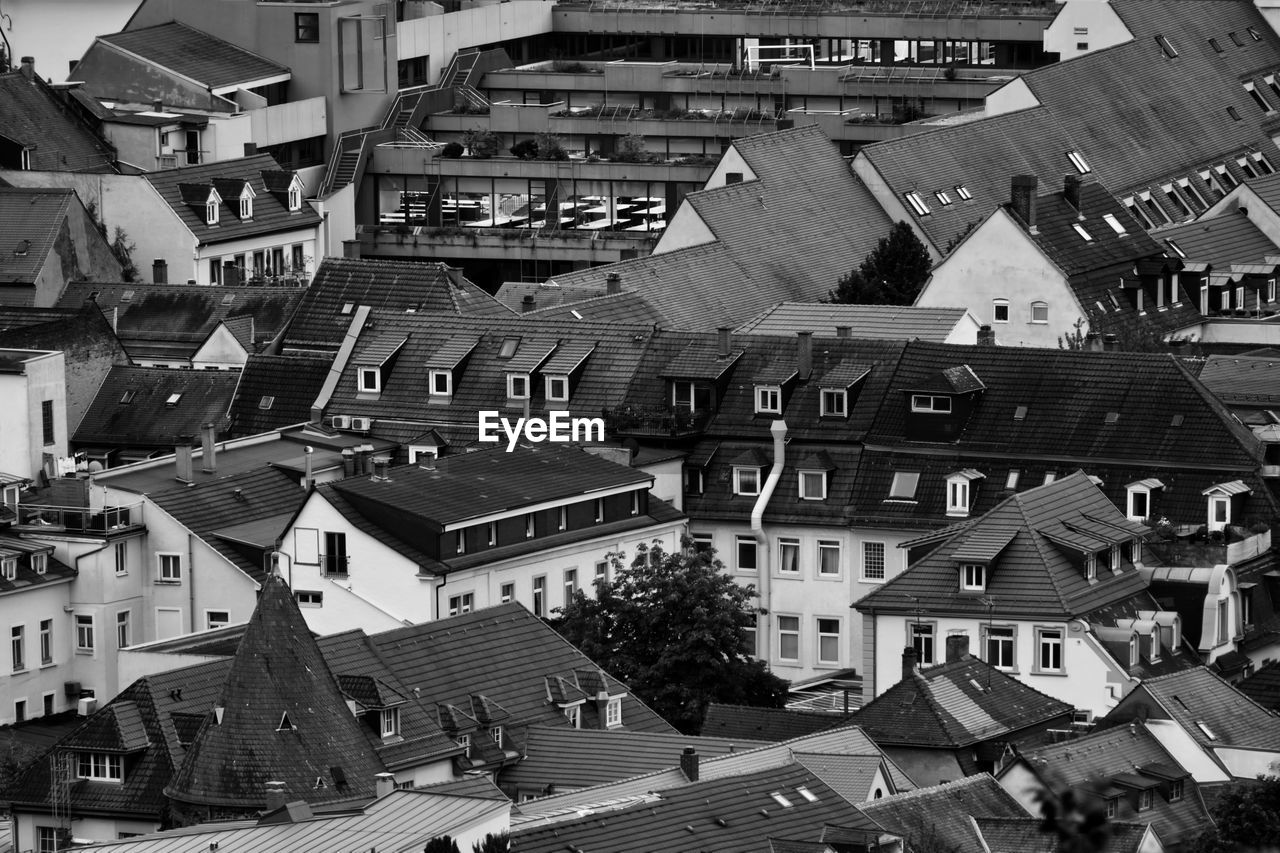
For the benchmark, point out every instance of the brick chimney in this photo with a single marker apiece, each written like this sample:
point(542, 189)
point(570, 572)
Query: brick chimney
point(804, 354)
point(1022, 198)
point(957, 647)
point(276, 796)
point(689, 763)
point(909, 658)
point(722, 341)
point(986, 336)
point(1071, 191)
point(28, 67)
point(160, 271)
point(528, 303)
point(612, 283)
point(348, 462)
point(209, 459)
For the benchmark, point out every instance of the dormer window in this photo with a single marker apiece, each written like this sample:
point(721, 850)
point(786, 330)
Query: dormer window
point(39, 563)
point(1257, 96)
point(246, 202)
point(835, 402)
point(9, 568)
point(813, 485)
point(1133, 650)
point(441, 383)
point(1139, 498)
point(934, 404)
point(370, 380)
point(746, 480)
point(613, 713)
point(390, 722)
point(557, 389)
point(958, 491)
point(768, 400)
point(1221, 497)
point(518, 386)
point(295, 198)
point(100, 767)
point(1090, 566)
point(211, 212)
point(973, 577)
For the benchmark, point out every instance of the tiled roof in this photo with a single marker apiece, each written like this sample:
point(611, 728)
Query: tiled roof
point(1098, 757)
point(943, 812)
point(568, 758)
point(14, 317)
point(30, 220)
point(732, 815)
point(1242, 380)
point(198, 56)
point(399, 287)
point(1031, 577)
point(207, 507)
point(173, 320)
point(745, 722)
point(1221, 241)
point(956, 704)
point(270, 214)
point(283, 719)
point(25, 577)
point(35, 118)
point(630, 306)
point(1025, 835)
point(276, 391)
point(894, 322)
point(1263, 686)
point(1057, 237)
point(148, 420)
point(1196, 696)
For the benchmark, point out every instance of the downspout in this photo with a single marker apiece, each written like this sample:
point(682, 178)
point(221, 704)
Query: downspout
point(764, 625)
point(191, 578)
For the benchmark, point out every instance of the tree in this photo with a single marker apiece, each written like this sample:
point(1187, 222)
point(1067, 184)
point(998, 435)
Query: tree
point(482, 143)
point(673, 627)
point(441, 844)
point(1247, 817)
point(15, 758)
point(550, 147)
point(493, 843)
point(1078, 825)
point(892, 274)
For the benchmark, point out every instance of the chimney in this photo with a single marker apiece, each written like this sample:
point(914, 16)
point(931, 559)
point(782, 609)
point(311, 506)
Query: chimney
point(275, 796)
point(1110, 343)
point(908, 661)
point(160, 271)
point(722, 337)
point(612, 283)
point(209, 458)
point(157, 106)
point(986, 336)
point(844, 331)
point(1071, 191)
point(348, 462)
point(182, 457)
point(230, 274)
point(1022, 198)
point(381, 468)
point(28, 67)
point(383, 784)
point(528, 303)
point(689, 763)
point(308, 477)
point(804, 355)
point(250, 149)
point(957, 647)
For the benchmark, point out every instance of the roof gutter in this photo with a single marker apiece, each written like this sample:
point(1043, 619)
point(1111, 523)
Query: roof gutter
point(764, 627)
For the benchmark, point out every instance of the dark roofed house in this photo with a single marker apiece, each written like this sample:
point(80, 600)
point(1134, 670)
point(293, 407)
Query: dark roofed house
point(276, 391)
point(745, 722)
point(42, 131)
point(48, 239)
point(1263, 686)
point(944, 815)
point(866, 322)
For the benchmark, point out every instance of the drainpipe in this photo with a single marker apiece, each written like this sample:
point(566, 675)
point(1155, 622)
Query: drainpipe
point(191, 577)
point(764, 625)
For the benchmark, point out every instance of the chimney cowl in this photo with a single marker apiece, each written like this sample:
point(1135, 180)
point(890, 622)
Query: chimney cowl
point(528, 303)
point(275, 795)
point(986, 336)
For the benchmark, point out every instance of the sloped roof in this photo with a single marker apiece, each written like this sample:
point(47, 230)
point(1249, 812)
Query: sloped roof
point(1025, 835)
point(956, 704)
point(208, 60)
point(148, 420)
point(35, 118)
point(1056, 235)
point(1221, 241)
point(943, 811)
point(1195, 696)
point(894, 322)
point(745, 722)
point(25, 577)
point(627, 307)
point(1263, 686)
point(30, 220)
point(284, 720)
point(276, 391)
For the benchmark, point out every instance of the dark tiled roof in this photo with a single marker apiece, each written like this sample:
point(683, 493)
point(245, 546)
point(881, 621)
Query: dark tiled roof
point(30, 220)
point(400, 287)
point(35, 118)
point(270, 214)
point(1057, 237)
point(198, 56)
point(943, 812)
point(895, 322)
point(956, 704)
point(1242, 380)
point(13, 317)
point(26, 578)
point(276, 391)
point(1263, 686)
point(1221, 241)
point(284, 720)
point(744, 722)
point(147, 420)
point(626, 307)
point(1197, 695)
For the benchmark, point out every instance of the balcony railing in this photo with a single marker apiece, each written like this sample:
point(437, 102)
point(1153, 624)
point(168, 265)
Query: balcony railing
point(667, 421)
point(78, 519)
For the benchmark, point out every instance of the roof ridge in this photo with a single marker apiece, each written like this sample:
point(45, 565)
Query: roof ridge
point(965, 782)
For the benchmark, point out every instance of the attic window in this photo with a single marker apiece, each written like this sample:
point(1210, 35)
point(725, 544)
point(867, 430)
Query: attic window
point(508, 347)
point(1081, 164)
point(807, 794)
point(1079, 229)
point(746, 480)
point(1208, 732)
point(1257, 96)
point(835, 402)
point(266, 403)
point(173, 399)
point(1011, 482)
point(1253, 34)
point(780, 800)
point(973, 577)
point(211, 212)
point(942, 197)
point(127, 296)
point(1167, 46)
point(1234, 113)
point(369, 380)
point(1264, 165)
point(1112, 418)
point(246, 207)
point(1235, 39)
point(295, 199)
point(930, 403)
point(127, 396)
point(441, 384)
point(768, 399)
point(1228, 180)
point(917, 203)
point(1115, 224)
point(963, 192)
point(517, 386)
point(1175, 199)
point(1177, 250)
point(346, 308)
point(904, 485)
point(1176, 420)
point(228, 299)
point(286, 725)
point(1213, 43)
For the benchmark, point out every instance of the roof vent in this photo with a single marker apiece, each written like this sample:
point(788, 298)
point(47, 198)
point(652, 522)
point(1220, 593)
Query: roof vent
point(24, 246)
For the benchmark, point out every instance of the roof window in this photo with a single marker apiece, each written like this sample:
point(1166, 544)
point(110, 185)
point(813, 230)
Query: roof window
point(266, 403)
point(1116, 225)
point(1081, 164)
point(346, 308)
point(173, 399)
point(1234, 113)
point(1253, 33)
point(904, 485)
point(917, 203)
point(781, 800)
point(963, 192)
point(1235, 39)
point(1020, 413)
point(1213, 43)
point(1167, 47)
point(228, 299)
point(508, 348)
point(942, 197)
point(1079, 229)
point(128, 395)
point(1011, 481)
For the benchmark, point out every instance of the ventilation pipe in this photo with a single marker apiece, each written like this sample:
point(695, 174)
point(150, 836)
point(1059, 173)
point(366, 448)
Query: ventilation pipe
point(763, 625)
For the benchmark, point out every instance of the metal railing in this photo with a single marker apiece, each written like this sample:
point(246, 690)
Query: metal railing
point(78, 519)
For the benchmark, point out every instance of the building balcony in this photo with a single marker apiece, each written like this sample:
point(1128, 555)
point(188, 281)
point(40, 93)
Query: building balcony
point(78, 520)
point(666, 421)
point(1192, 547)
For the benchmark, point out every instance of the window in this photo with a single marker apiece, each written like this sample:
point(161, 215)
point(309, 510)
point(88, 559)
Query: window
point(46, 421)
point(789, 556)
point(973, 576)
point(613, 712)
point(1139, 503)
point(873, 562)
point(599, 510)
point(390, 722)
point(334, 557)
point(370, 380)
point(507, 593)
point(930, 403)
point(295, 203)
point(1175, 200)
point(1050, 476)
point(746, 481)
point(1257, 97)
point(1049, 649)
point(813, 485)
point(46, 839)
point(1246, 166)
point(963, 192)
point(18, 645)
point(635, 503)
point(1001, 647)
point(1000, 311)
point(1081, 164)
point(441, 384)
point(558, 389)
point(459, 604)
point(574, 715)
point(1175, 791)
point(749, 647)
point(100, 767)
point(1167, 47)
point(1224, 611)
point(1090, 566)
point(942, 197)
point(211, 214)
point(48, 707)
point(835, 402)
point(518, 386)
point(1235, 39)
point(46, 642)
point(747, 556)
point(308, 598)
point(122, 629)
point(84, 633)
point(306, 27)
point(246, 207)
point(700, 544)
point(917, 203)
point(1111, 807)
point(530, 526)
point(214, 619)
point(20, 710)
point(170, 568)
point(693, 481)
point(829, 558)
point(496, 734)
point(958, 495)
point(1219, 512)
point(1011, 482)
point(492, 533)
point(1144, 800)
point(903, 487)
point(9, 568)
point(789, 638)
point(122, 558)
point(570, 584)
point(768, 399)
point(1079, 229)
point(1138, 212)
point(464, 741)
point(1224, 177)
point(1039, 312)
point(921, 634)
point(1192, 193)
point(829, 641)
point(540, 596)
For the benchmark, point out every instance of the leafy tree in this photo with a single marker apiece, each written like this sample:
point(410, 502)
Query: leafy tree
point(1247, 817)
point(15, 758)
point(673, 627)
point(452, 150)
point(525, 149)
point(892, 274)
point(441, 844)
point(482, 143)
point(122, 248)
point(550, 147)
point(493, 843)
point(1079, 826)
point(631, 149)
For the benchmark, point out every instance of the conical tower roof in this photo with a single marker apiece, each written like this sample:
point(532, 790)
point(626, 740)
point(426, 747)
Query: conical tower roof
point(280, 717)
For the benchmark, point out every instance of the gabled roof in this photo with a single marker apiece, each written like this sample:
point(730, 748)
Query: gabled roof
point(30, 220)
point(26, 577)
point(282, 718)
point(1056, 234)
point(956, 704)
point(745, 722)
point(198, 56)
point(943, 811)
point(149, 419)
point(58, 141)
point(1026, 835)
point(1263, 687)
point(894, 322)
point(1197, 696)
point(1221, 241)
point(276, 391)
point(401, 287)
point(270, 214)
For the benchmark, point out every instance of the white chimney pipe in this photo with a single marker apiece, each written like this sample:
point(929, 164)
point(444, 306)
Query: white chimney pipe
point(384, 783)
point(308, 478)
point(763, 625)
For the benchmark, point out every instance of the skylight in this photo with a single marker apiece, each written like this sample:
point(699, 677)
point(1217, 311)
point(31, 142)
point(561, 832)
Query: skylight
point(1235, 39)
point(1177, 250)
point(904, 485)
point(943, 198)
point(781, 800)
point(1079, 229)
point(1208, 732)
point(1167, 46)
point(346, 308)
point(917, 203)
point(266, 402)
point(1115, 224)
point(1020, 413)
point(963, 192)
point(228, 299)
point(508, 347)
point(1081, 164)
point(1011, 482)
point(807, 794)
point(1234, 113)
point(128, 395)
point(127, 296)
point(1213, 43)
point(173, 399)
point(1253, 34)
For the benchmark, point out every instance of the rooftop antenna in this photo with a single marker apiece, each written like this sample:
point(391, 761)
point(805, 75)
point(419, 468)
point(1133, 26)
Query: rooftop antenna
point(915, 628)
point(990, 602)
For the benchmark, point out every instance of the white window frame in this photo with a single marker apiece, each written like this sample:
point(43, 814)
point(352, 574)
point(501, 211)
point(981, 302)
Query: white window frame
point(570, 584)
point(806, 479)
point(1007, 634)
point(883, 557)
point(463, 602)
point(211, 212)
point(768, 400)
point(1077, 160)
point(923, 636)
point(369, 380)
point(791, 632)
point(124, 629)
point(18, 647)
point(308, 597)
point(1219, 501)
point(389, 722)
point(958, 495)
point(86, 633)
point(792, 544)
point(827, 546)
point(9, 568)
point(100, 767)
point(496, 734)
point(432, 386)
point(46, 642)
point(246, 207)
point(574, 715)
point(834, 402)
point(215, 619)
point(514, 379)
point(613, 712)
point(168, 567)
point(746, 480)
point(1131, 511)
point(931, 403)
point(540, 596)
point(917, 203)
point(295, 198)
point(1040, 305)
point(121, 553)
point(973, 577)
point(506, 593)
point(822, 635)
point(996, 305)
point(1047, 637)
point(557, 394)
